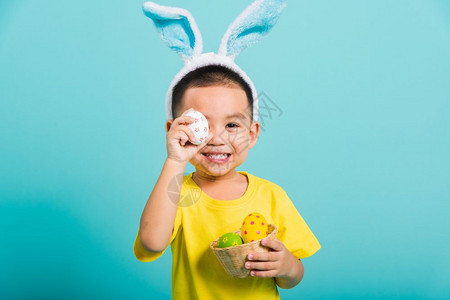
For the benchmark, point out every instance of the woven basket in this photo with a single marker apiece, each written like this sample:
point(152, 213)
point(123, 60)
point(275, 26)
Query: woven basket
point(233, 258)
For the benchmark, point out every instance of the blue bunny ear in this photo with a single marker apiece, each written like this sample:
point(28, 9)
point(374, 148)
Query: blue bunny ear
point(250, 26)
point(177, 29)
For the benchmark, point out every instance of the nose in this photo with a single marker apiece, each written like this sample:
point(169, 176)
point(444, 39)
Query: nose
point(218, 138)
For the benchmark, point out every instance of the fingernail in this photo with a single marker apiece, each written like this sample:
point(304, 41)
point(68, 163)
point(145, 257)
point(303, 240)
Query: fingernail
point(247, 265)
point(250, 256)
point(252, 273)
point(264, 241)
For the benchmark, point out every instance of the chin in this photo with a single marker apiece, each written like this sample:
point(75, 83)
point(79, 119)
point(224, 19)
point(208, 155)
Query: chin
point(215, 170)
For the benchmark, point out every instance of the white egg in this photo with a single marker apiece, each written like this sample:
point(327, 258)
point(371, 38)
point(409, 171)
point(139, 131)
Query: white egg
point(199, 127)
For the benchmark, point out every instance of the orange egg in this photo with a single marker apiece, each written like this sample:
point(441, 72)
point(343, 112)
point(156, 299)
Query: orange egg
point(254, 227)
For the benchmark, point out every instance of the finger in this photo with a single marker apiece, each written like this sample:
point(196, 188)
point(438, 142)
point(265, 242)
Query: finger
point(264, 256)
point(260, 265)
point(187, 131)
point(181, 137)
point(186, 120)
point(274, 244)
point(263, 274)
point(175, 133)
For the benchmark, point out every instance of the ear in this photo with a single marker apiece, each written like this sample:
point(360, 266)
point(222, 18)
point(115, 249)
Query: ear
point(250, 26)
point(177, 29)
point(168, 125)
point(254, 134)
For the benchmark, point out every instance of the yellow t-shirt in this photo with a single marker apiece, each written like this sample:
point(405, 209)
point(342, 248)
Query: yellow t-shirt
point(200, 219)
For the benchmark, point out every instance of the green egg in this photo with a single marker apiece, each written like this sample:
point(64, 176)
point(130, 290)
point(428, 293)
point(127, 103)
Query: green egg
point(229, 239)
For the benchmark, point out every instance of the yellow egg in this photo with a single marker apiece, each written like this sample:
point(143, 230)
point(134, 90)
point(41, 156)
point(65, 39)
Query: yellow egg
point(254, 228)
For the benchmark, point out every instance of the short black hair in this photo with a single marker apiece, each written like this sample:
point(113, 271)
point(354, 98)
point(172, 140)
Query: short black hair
point(209, 76)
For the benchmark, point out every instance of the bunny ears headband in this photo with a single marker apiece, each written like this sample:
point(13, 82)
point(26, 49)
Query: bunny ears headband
point(179, 31)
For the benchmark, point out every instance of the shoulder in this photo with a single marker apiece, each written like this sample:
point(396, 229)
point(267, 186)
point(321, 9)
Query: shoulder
point(275, 196)
point(266, 185)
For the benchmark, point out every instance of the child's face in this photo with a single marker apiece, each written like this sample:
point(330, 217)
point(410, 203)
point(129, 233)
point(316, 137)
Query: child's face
point(229, 118)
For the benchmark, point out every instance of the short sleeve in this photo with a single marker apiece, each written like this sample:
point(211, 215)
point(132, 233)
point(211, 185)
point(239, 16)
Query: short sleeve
point(143, 254)
point(293, 230)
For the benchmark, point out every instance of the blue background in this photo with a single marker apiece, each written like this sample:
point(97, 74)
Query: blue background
point(362, 145)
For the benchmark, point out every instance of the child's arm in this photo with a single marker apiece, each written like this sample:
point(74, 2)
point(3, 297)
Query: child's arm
point(159, 214)
point(294, 278)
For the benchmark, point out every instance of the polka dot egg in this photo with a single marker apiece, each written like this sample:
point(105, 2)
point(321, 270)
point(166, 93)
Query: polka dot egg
point(254, 228)
point(199, 127)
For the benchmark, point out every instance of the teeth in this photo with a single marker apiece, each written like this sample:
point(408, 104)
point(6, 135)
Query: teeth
point(217, 156)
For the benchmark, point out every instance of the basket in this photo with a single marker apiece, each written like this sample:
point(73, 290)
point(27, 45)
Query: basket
point(233, 258)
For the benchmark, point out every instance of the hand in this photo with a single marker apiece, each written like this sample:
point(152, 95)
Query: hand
point(179, 147)
point(279, 262)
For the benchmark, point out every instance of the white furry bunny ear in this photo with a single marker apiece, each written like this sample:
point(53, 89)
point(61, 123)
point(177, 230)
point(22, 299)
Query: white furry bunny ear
point(177, 29)
point(250, 26)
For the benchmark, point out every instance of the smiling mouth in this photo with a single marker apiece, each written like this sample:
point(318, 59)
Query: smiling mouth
point(217, 156)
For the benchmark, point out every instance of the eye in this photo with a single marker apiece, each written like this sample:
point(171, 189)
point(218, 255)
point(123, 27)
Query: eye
point(232, 125)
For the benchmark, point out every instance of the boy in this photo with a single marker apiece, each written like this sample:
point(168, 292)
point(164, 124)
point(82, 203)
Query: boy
point(216, 197)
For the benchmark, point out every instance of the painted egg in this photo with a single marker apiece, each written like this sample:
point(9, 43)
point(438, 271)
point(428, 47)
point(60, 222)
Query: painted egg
point(254, 228)
point(199, 127)
point(229, 239)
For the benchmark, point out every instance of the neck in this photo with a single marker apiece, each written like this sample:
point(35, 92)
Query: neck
point(202, 178)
